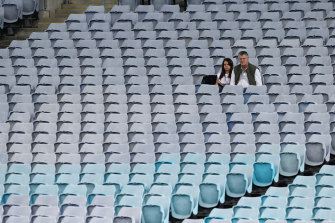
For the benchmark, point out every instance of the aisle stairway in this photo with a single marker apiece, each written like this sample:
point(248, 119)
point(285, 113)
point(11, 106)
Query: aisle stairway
point(60, 15)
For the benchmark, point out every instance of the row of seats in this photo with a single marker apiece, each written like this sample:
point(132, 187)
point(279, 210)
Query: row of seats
point(66, 82)
point(306, 198)
point(12, 12)
point(98, 212)
point(85, 56)
point(192, 182)
point(196, 20)
point(303, 5)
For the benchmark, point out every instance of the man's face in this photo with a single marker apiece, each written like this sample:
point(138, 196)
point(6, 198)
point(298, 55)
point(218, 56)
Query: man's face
point(244, 60)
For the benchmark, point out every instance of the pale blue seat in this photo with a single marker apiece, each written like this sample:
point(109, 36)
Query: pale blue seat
point(269, 213)
point(133, 188)
point(167, 167)
point(216, 168)
point(239, 180)
point(155, 208)
point(266, 169)
point(300, 202)
point(142, 178)
point(117, 179)
point(212, 190)
point(246, 213)
point(325, 214)
point(277, 191)
point(72, 190)
point(219, 215)
point(248, 202)
point(127, 200)
point(161, 188)
point(107, 191)
point(292, 159)
point(184, 200)
point(274, 201)
point(302, 191)
point(293, 214)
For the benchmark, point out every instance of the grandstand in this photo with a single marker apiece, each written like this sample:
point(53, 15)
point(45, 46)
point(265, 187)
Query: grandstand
point(103, 118)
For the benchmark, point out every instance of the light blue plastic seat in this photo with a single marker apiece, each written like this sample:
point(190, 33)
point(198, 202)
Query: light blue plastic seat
point(219, 215)
point(242, 158)
point(215, 167)
point(166, 178)
point(89, 178)
point(194, 157)
point(273, 201)
point(270, 148)
point(101, 190)
point(127, 200)
point(155, 208)
point(246, 213)
point(302, 191)
point(161, 188)
point(121, 168)
point(324, 202)
point(68, 168)
point(239, 180)
point(292, 160)
point(218, 157)
point(72, 190)
point(268, 213)
point(142, 178)
point(167, 167)
point(117, 179)
point(42, 178)
point(19, 168)
point(12, 189)
point(143, 168)
point(277, 191)
point(184, 200)
point(293, 214)
point(325, 214)
point(133, 188)
point(192, 178)
point(43, 168)
point(212, 190)
point(300, 202)
point(325, 192)
point(252, 202)
point(17, 178)
point(266, 169)
point(191, 167)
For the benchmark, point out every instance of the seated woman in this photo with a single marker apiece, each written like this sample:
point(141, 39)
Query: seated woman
point(223, 77)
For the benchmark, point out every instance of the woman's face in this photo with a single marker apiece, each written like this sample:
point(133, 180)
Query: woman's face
point(226, 67)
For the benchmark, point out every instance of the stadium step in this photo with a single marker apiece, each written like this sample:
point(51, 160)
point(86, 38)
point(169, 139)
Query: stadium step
point(70, 11)
point(97, 2)
point(84, 6)
point(60, 15)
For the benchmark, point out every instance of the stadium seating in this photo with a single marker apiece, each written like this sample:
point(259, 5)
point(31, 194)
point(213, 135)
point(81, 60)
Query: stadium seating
point(104, 116)
point(13, 12)
point(303, 200)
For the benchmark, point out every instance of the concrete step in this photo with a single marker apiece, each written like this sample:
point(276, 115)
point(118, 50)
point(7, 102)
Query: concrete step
point(30, 30)
point(54, 19)
point(45, 25)
point(81, 6)
point(92, 2)
point(70, 11)
point(62, 15)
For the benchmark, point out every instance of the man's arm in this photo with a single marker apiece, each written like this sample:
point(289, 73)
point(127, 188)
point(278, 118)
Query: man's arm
point(258, 78)
point(232, 79)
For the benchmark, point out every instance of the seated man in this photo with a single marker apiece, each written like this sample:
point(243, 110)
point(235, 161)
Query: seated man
point(245, 73)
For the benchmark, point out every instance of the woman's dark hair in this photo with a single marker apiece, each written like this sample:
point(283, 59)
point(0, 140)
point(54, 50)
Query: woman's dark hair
point(230, 63)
